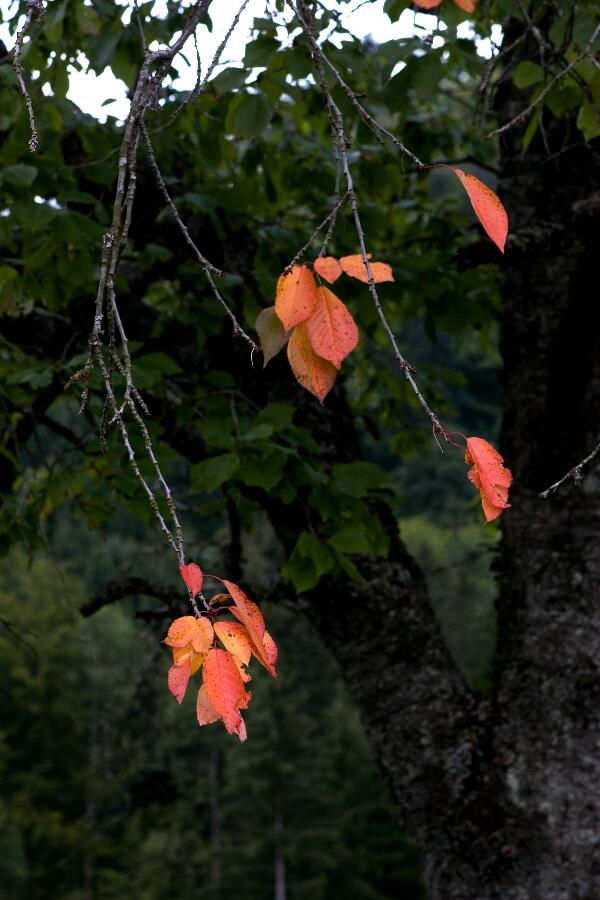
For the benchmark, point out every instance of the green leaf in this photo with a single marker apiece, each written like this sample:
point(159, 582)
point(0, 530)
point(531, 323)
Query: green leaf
point(19, 175)
point(248, 115)
point(350, 539)
point(309, 561)
point(588, 120)
point(258, 432)
point(357, 479)
point(527, 73)
point(211, 473)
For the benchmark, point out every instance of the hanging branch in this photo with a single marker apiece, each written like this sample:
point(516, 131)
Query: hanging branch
point(35, 10)
point(341, 145)
point(574, 473)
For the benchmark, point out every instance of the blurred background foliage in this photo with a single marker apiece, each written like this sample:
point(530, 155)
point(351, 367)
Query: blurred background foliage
point(108, 789)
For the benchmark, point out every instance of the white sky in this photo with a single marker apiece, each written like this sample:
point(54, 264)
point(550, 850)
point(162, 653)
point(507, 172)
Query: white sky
point(89, 91)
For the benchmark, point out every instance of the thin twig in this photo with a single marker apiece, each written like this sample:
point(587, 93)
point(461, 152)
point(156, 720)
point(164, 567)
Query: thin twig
point(525, 113)
point(329, 218)
point(574, 473)
point(35, 10)
point(208, 267)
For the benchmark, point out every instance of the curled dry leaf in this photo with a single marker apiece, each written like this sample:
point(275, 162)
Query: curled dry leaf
point(328, 267)
point(467, 5)
point(295, 297)
point(273, 336)
point(331, 329)
point(487, 205)
point(205, 711)
point(354, 265)
point(427, 4)
point(188, 631)
point(193, 577)
point(315, 374)
point(489, 475)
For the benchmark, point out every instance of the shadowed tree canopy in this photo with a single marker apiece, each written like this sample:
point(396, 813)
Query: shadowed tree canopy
point(173, 227)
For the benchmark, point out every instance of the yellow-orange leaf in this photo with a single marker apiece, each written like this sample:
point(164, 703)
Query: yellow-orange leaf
point(251, 617)
point(235, 638)
point(328, 267)
point(354, 266)
point(295, 297)
point(205, 711)
point(331, 329)
point(182, 654)
point(188, 631)
point(487, 205)
point(225, 690)
point(489, 475)
point(273, 336)
point(427, 4)
point(315, 374)
point(181, 631)
point(178, 678)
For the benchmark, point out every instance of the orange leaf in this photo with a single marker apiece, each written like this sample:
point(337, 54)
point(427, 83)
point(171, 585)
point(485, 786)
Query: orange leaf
point(202, 636)
point(193, 577)
point(487, 205)
point(271, 332)
point(489, 475)
point(467, 5)
point(354, 266)
point(178, 678)
point(427, 4)
point(295, 297)
point(225, 689)
point(235, 638)
point(331, 329)
point(181, 631)
point(315, 374)
point(250, 615)
point(270, 649)
point(205, 711)
point(328, 268)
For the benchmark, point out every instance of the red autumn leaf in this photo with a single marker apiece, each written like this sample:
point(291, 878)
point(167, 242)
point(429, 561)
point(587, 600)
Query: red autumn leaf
point(315, 374)
point(235, 638)
point(489, 475)
point(427, 4)
point(225, 690)
point(178, 678)
point(273, 337)
point(193, 577)
point(328, 267)
point(487, 205)
point(295, 297)
point(331, 329)
point(250, 615)
point(354, 266)
point(205, 711)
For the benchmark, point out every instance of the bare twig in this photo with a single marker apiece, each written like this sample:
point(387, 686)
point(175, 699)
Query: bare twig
point(35, 10)
point(208, 267)
point(329, 218)
point(574, 473)
point(525, 113)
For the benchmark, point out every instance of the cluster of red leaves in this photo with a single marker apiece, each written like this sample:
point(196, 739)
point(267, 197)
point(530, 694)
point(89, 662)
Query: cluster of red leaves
point(317, 327)
point(194, 642)
point(467, 5)
point(489, 475)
